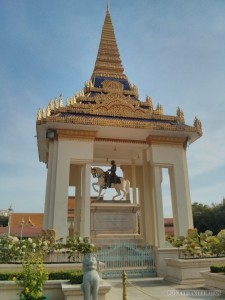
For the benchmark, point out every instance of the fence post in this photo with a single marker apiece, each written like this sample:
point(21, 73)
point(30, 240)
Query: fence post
point(124, 280)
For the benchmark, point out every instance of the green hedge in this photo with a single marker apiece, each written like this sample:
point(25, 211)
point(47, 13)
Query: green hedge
point(217, 269)
point(57, 275)
point(75, 277)
point(7, 276)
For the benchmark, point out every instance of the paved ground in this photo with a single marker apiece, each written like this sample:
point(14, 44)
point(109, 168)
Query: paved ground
point(159, 289)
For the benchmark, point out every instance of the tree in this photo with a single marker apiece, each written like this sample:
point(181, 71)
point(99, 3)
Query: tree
point(209, 217)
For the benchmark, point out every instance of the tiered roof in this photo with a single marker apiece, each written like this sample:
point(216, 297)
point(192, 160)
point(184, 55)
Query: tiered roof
point(109, 99)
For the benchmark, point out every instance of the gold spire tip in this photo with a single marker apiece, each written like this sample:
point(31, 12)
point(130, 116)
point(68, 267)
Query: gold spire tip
point(108, 5)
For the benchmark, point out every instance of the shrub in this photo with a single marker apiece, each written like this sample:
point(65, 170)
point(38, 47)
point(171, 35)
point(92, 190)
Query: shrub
point(217, 269)
point(76, 277)
point(7, 276)
point(60, 275)
point(13, 250)
point(200, 245)
point(32, 277)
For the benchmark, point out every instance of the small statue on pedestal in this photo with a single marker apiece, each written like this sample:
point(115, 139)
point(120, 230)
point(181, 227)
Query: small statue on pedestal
point(91, 277)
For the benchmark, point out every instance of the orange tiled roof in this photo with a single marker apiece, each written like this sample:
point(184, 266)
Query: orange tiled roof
point(71, 202)
point(168, 223)
point(29, 219)
point(26, 232)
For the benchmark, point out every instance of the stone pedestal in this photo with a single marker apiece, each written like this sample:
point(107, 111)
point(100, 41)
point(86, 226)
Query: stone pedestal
point(73, 291)
point(188, 271)
point(114, 221)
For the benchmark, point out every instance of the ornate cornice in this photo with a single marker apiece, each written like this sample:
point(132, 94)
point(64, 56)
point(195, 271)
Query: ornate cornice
point(124, 141)
point(125, 123)
point(76, 134)
point(166, 140)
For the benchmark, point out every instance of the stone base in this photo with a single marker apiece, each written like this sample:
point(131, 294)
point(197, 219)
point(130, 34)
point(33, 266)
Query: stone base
point(214, 281)
point(73, 291)
point(187, 271)
point(113, 221)
point(161, 254)
point(54, 290)
point(10, 291)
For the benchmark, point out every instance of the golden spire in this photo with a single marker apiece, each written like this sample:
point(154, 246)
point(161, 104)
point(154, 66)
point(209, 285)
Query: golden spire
point(108, 62)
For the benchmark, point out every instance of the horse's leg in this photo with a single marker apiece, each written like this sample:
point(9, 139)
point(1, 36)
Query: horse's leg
point(117, 190)
point(124, 194)
point(93, 185)
point(100, 191)
point(123, 189)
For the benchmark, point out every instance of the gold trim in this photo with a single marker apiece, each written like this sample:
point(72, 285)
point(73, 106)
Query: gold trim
point(168, 140)
point(76, 134)
point(121, 141)
point(125, 123)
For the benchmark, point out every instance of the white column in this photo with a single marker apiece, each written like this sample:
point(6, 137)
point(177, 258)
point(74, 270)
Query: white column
point(134, 183)
point(85, 205)
point(180, 194)
point(152, 206)
point(173, 200)
point(157, 178)
point(147, 199)
point(60, 209)
point(50, 186)
point(139, 171)
point(53, 184)
point(77, 212)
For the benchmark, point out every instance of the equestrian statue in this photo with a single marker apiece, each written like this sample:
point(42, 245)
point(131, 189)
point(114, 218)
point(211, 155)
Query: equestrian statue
point(109, 179)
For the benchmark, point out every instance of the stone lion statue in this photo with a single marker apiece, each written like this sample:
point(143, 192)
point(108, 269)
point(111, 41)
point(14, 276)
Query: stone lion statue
point(91, 277)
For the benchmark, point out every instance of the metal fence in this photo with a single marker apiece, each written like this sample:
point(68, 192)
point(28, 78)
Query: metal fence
point(135, 260)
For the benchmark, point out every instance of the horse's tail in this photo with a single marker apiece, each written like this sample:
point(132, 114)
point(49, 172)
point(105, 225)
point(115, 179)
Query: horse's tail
point(127, 186)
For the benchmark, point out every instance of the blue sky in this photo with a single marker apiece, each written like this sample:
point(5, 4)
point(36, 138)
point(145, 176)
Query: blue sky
point(173, 50)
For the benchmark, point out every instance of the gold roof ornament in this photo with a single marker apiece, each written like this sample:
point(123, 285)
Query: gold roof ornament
point(180, 115)
point(60, 101)
point(108, 62)
point(198, 125)
point(43, 113)
point(56, 103)
point(51, 105)
point(159, 109)
point(39, 115)
point(48, 111)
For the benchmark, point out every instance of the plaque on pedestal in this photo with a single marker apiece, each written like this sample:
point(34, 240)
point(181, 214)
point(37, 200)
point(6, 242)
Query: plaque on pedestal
point(113, 220)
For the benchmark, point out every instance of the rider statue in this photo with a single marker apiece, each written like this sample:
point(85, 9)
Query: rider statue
point(110, 177)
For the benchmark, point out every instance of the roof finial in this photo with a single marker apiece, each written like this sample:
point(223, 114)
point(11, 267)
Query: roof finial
point(108, 5)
